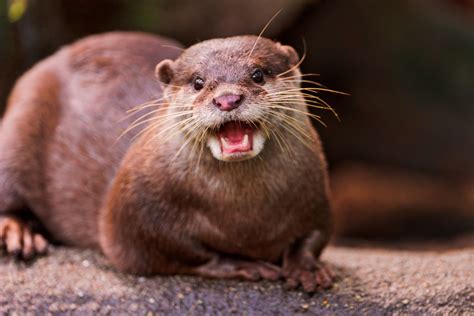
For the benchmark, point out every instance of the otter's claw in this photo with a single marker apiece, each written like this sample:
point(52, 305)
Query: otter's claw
point(310, 277)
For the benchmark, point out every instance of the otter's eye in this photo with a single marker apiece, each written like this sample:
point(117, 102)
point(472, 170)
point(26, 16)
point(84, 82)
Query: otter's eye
point(198, 83)
point(257, 76)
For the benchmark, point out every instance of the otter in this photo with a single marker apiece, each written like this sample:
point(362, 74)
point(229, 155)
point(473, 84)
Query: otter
point(217, 172)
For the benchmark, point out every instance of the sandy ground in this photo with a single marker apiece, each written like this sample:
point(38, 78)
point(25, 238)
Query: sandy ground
point(372, 281)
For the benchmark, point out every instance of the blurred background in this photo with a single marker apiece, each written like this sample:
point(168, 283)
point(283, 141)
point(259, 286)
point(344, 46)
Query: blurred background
point(402, 157)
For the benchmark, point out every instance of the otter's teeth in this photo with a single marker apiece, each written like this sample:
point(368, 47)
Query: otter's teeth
point(225, 144)
point(245, 142)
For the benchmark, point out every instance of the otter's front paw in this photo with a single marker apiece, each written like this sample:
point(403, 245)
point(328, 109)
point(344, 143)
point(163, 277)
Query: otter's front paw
point(19, 241)
point(308, 272)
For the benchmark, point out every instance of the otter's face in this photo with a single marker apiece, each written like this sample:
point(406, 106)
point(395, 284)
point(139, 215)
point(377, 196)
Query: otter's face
point(222, 87)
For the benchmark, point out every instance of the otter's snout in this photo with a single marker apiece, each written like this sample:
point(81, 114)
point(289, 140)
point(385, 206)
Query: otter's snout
point(228, 102)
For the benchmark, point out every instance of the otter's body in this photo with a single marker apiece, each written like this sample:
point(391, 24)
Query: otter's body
point(58, 148)
point(155, 205)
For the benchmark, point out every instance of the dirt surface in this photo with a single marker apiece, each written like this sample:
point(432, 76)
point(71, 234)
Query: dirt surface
point(371, 281)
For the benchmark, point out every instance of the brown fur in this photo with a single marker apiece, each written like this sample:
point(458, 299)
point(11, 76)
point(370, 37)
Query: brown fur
point(149, 211)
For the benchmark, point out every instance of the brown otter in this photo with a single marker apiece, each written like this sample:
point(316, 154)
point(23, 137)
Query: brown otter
point(226, 177)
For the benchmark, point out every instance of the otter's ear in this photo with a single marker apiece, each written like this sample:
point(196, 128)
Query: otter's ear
point(164, 71)
point(289, 51)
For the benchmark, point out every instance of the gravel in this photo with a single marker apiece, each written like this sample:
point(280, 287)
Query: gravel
point(372, 281)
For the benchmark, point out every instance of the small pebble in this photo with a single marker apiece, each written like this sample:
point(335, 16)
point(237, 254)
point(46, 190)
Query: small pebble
point(304, 306)
point(53, 308)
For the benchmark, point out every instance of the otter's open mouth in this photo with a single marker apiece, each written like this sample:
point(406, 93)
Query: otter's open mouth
point(235, 137)
point(235, 140)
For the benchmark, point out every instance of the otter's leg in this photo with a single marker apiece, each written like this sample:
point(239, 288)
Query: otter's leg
point(226, 268)
point(18, 236)
point(31, 116)
point(301, 265)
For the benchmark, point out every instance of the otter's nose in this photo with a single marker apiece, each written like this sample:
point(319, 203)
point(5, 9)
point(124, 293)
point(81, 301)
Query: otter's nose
point(228, 102)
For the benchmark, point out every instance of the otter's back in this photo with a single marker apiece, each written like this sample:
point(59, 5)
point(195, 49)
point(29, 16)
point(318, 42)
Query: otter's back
point(76, 111)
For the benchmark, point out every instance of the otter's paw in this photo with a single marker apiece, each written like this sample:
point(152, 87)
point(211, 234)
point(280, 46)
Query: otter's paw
point(239, 269)
point(19, 241)
point(310, 273)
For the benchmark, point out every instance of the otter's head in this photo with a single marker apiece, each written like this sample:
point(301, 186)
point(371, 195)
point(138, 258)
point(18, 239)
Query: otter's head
point(222, 93)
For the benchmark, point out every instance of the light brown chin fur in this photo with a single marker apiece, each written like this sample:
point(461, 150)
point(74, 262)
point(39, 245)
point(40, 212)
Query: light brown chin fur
point(149, 210)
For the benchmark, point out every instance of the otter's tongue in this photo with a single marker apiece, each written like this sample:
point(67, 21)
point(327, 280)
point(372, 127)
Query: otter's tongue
point(235, 137)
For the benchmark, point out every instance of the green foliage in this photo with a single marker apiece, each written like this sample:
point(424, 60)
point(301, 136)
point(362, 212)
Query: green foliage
point(16, 9)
